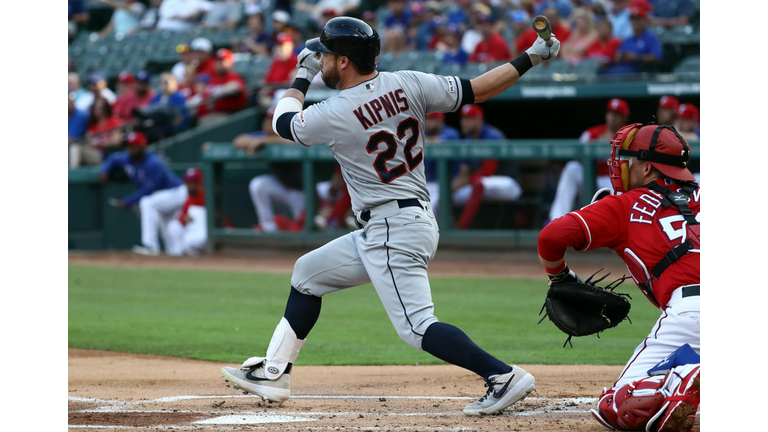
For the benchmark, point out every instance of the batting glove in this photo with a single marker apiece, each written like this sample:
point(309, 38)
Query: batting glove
point(308, 64)
point(539, 51)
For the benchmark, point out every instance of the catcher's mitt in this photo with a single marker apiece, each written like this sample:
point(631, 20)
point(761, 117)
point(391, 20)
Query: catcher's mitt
point(581, 308)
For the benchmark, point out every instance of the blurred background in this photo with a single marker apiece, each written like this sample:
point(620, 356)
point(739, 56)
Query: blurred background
point(195, 81)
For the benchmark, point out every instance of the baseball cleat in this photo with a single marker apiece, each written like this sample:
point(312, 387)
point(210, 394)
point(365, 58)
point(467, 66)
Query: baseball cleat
point(143, 250)
point(680, 412)
point(253, 380)
point(503, 391)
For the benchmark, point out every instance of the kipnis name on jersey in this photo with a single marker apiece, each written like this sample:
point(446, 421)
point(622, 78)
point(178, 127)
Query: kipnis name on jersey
point(391, 103)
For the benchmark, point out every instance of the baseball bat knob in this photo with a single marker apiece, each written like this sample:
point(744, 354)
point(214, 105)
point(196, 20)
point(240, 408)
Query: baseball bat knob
point(541, 26)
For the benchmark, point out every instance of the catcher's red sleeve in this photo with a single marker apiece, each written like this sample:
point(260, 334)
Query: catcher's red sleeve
point(559, 235)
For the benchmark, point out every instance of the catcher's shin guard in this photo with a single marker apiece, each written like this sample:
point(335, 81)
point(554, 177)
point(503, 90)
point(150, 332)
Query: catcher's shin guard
point(632, 406)
point(283, 350)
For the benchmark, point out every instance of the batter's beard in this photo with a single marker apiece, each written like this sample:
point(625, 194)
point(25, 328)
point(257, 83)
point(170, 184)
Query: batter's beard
point(331, 78)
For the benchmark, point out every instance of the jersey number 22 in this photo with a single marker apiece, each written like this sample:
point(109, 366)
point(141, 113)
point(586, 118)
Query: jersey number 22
point(380, 164)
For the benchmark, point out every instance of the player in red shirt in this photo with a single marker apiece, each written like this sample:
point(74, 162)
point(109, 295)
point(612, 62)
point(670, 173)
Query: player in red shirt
point(493, 47)
point(225, 91)
point(653, 225)
point(188, 234)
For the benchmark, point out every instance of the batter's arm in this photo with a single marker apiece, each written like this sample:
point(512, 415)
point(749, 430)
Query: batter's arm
point(500, 78)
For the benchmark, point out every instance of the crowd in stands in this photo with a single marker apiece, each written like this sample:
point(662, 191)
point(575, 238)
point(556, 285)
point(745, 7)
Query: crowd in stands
point(204, 85)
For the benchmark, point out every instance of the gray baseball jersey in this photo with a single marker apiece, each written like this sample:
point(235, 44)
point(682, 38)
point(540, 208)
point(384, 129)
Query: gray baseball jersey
point(376, 132)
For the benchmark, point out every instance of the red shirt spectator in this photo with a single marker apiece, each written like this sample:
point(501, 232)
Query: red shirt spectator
point(492, 47)
point(605, 46)
point(283, 61)
point(225, 92)
point(104, 128)
point(138, 97)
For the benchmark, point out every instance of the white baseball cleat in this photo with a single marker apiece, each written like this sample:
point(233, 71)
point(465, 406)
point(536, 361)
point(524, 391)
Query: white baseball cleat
point(254, 381)
point(503, 391)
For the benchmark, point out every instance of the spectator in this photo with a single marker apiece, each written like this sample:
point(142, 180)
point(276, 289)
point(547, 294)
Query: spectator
point(104, 130)
point(459, 13)
point(76, 91)
point(78, 16)
point(477, 180)
point(137, 95)
point(225, 93)
point(619, 16)
point(564, 9)
point(671, 13)
point(97, 87)
point(427, 21)
point(283, 64)
point(640, 51)
point(454, 54)
point(126, 18)
point(188, 233)
point(188, 87)
point(396, 24)
point(160, 196)
point(666, 113)
point(181, 15)
point(435, 132)
point(185, 59)
point(257, 41)
point(572, 177)
point(342, 7)
point(582, 37)
point(603, 49)
point(529, 36)
point(171, 99)
point(281, 23)
point(688, 121)
point(202, 55)
point(78, 121)
point(521, 21)
point(492, 48)
point(151, 16)
point(283, 184)
point(224, 14)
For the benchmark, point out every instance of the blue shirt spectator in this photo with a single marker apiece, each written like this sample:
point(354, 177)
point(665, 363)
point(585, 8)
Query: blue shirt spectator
point(170, 96)
point(643, 47)
point(148, 172)
point(619, 17)
point(78, 122)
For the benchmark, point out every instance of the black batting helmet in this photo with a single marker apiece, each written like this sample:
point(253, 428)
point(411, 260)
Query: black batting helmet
point(351, 38)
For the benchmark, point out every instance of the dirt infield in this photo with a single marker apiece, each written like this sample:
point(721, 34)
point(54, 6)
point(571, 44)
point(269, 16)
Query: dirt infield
point(118, 391)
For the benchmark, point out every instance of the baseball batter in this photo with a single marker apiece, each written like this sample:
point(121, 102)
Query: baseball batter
point(653, 224)
point(375, 128)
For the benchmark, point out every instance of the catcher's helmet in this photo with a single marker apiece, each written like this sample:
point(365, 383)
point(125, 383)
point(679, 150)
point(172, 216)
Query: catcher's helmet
point(351, 38)
point(660, 145)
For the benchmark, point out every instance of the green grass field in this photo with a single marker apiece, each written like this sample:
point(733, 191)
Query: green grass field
point(230, 316)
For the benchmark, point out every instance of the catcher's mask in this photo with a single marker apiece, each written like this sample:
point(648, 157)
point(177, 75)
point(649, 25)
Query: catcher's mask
point(661, 145)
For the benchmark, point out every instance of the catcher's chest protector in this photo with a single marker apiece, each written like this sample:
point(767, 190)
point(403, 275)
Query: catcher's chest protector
point(691, 243)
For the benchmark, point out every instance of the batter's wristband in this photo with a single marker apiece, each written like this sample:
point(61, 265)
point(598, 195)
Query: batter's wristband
point(522, 63)
point(301, 85)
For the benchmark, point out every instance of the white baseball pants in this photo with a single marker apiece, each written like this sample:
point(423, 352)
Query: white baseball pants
point(392, 251)
point(157, 211)
point(189, 239)
point(264, 190)
point(495, 188)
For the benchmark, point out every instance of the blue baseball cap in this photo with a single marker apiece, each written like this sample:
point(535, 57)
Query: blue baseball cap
point(143, 76)
point(519, 16)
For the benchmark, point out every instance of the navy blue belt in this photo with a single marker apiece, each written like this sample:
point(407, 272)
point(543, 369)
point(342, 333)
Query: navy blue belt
point(691, 290)
point(365, 215)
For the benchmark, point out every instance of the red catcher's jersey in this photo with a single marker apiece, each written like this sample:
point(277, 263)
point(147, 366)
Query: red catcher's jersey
point(637, 221)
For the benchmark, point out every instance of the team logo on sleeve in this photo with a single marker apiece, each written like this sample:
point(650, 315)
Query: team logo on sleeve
point(451, 84)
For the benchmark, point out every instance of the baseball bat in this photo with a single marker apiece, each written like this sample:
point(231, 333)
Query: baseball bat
point(541, 26)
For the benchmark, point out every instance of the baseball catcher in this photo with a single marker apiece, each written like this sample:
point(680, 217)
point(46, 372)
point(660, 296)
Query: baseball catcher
point(653, 223)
